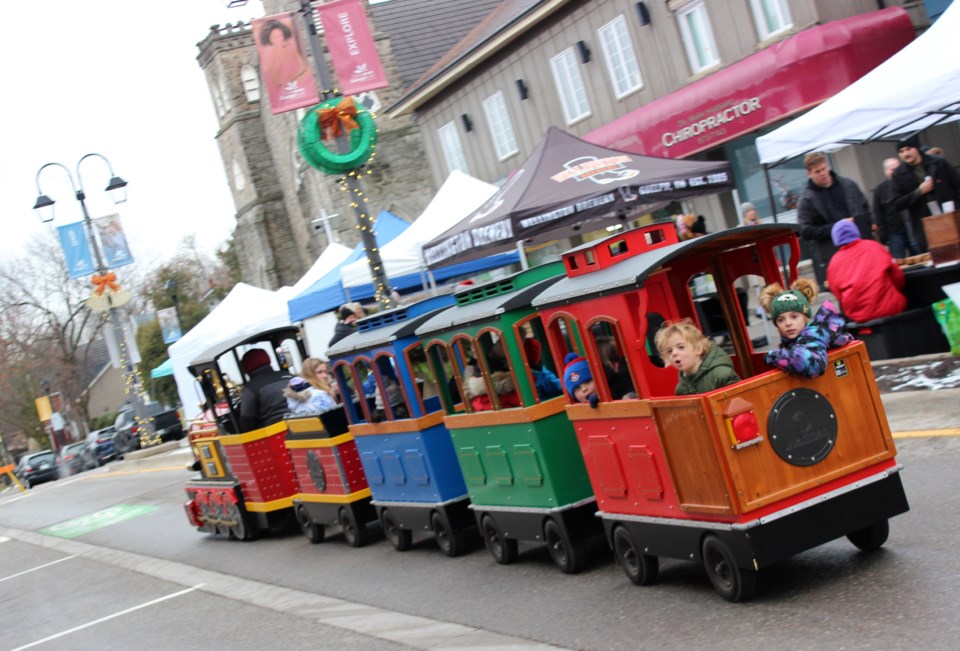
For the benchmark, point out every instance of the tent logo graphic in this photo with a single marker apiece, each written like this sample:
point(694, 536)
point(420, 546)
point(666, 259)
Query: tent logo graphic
point(599, 170)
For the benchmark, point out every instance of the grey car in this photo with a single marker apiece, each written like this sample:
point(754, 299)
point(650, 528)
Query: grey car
point(36, 468)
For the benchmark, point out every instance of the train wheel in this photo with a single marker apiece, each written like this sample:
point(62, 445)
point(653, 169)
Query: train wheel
point(401, 539)
point(870, 539)
point(354, 533)
point(314, 531)
point(238, 531)
point(452, 543)
point(641, 569)
point(504, 550)
point(569, 556)
point(731, 582)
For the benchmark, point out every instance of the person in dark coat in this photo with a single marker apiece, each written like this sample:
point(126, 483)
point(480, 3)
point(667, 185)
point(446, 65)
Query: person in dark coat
point(827, 198)
point(346, 325)
point(262, 402)
point(893, 226)
point(919, 180)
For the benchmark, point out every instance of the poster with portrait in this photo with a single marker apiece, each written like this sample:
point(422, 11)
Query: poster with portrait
point(169, 325)
point(284, 67)
point(113, 242)
point(76, 250)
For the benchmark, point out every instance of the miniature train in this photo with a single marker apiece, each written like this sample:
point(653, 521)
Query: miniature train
point(454, 422)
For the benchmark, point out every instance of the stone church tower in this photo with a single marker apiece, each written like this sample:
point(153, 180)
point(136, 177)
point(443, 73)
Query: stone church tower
point(281, 201)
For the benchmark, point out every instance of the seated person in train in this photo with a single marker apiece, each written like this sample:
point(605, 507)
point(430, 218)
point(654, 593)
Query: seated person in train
point(262, 402)
point(304, 399)
point(804, 337)
point(475, 389)
point(864, 276)
point(702, 365)
point(546, 383)
point(578, 379)
point(615, 369)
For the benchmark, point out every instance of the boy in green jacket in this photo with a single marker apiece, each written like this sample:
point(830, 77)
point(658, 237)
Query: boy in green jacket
point(702, 365)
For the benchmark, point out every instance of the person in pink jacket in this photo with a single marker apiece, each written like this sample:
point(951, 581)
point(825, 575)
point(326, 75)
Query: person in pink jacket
point(864, 276)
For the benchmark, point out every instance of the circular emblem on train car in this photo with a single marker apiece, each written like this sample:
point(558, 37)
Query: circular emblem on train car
point(802, 427)
point(315, 468)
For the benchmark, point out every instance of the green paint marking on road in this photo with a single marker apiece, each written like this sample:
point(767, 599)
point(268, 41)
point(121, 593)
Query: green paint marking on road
point(87, 523)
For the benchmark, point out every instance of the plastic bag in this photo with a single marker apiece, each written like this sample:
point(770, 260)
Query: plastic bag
point(948, 316)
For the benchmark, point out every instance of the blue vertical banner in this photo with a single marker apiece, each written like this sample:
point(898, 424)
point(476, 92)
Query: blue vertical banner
point(113, 242)
point(76, 249)
point(169, 325)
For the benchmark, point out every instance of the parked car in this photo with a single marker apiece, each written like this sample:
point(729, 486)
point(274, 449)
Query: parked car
point(37, 468)
point(70, 459)
point(98, 448)
point(166, 425)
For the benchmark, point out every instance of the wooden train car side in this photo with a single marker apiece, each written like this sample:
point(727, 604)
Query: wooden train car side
point(737, 478)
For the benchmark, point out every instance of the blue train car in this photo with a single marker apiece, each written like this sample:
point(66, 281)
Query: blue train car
point(393, 405)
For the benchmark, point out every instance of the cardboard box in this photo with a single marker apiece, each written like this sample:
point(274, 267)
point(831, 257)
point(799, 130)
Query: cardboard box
point(942, 230)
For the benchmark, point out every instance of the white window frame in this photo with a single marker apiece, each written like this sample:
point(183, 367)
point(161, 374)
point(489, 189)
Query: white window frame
point(779, 11)
point(501, 131)
point(570, 88)
point(702, 56)
point(250, 81)
point(452, 148)
point(620, 56)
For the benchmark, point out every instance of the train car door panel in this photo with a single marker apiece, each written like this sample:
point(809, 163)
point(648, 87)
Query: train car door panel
point(602, 456)
point(645, 469)
point(472, 466)
point(499, 465)
point(416, 466)
point(528, 466)
point(372, 468)
point(393, 467)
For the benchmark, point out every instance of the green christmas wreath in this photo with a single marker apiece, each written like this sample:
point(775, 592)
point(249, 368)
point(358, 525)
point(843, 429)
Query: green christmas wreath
point(328, 120)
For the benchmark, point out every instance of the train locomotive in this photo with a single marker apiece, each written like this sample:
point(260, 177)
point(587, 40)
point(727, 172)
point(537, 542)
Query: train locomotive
point(737, 478)
point(454, 417)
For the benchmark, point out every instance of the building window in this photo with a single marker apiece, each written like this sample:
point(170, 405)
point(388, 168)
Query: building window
point(621, 59)
point(698, 37)
point(239, 180)
point(452, 149)
point(573, 95)
point(251, 83)
point(500, 128)
point(772, 17)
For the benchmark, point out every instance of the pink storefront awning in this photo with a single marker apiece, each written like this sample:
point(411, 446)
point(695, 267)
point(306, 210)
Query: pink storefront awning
point(784, 79)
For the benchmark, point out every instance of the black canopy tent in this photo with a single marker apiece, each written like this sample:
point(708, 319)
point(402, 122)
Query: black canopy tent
point(569, 185)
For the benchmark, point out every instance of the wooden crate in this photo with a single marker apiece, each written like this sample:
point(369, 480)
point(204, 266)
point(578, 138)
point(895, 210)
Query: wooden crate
point(942, 230)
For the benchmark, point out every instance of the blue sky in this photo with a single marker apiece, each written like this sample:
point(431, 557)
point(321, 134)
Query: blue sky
point(118, 78)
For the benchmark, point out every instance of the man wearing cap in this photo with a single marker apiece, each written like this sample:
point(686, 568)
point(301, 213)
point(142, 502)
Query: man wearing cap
point(922, 179)
point(262, 402)
point(828, 198)
point(346, 323)
point(864, 276)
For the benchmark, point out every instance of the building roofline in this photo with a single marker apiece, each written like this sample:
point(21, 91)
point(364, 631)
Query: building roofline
point(435, 82)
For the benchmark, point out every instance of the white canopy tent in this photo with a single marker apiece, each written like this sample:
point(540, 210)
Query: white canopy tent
point(246, 309)
point(913, 90)
point(459, 196)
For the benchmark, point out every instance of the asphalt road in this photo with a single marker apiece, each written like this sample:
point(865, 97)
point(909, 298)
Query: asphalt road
point(204, 592)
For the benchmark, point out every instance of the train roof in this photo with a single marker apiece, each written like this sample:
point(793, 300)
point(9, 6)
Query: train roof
point(485, 309)
point(274, 335)
point(631, 272)
point(372, 338)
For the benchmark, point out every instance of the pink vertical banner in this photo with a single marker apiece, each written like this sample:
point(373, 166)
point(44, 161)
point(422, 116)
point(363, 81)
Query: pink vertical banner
point(285, 69)
point(355, 58)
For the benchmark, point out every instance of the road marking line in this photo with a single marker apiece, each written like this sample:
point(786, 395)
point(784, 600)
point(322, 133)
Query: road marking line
point(108, 617)
point(926, 432)
point(38, 567)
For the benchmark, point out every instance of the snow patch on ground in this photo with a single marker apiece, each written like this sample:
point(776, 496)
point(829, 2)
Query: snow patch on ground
point(918, 376)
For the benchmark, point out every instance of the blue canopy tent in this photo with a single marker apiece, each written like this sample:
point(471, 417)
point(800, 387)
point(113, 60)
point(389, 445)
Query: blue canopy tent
point(327, 293)
point(163, 370)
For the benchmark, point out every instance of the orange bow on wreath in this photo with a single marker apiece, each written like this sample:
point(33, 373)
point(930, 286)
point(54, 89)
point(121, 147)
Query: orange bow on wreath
point(339, 120)
point(103, 281)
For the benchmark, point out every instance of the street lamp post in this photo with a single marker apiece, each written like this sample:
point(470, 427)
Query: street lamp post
point(116, 189)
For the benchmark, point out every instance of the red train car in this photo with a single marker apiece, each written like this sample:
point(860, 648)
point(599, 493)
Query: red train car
point(737, 478)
